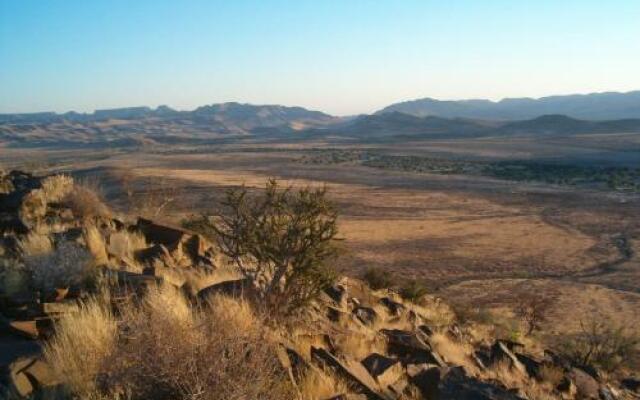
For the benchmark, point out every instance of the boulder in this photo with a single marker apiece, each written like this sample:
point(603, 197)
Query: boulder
point(586, 386)
point(426, 377)
point(394, 307)
point(353, 372)
point(531, 364)
point(385, 370)
point(153, 253)
point(411, 348)
point(632, 384)
point(24, 328)
point(455, 384)
point(30, 374)
point(366, 315)
point(335, 315)
point(61, 307)
point(337, 293)
point(500, 352)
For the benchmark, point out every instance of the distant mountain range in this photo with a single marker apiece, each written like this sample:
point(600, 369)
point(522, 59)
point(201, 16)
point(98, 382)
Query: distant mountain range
point(420, 119)
point(595, 106)
point(226, 116)
point(396, 125)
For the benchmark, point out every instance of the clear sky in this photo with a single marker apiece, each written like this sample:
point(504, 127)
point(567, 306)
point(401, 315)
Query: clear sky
point(338, 56)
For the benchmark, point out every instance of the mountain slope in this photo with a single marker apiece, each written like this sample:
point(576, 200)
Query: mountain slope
point(595, 106)
point(398, 125)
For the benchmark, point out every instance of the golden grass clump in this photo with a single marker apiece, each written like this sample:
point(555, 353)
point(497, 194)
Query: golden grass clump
point(56, 187)
point(85, 202)
point(320, 385)
point(454, 352)
point(359, 345)
point(95, 244)
point(124, 244)
point(218, 352)
point(82, 342)
point(35, 244)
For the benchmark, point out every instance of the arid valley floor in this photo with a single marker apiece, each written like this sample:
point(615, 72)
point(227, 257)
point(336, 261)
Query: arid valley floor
point(477, 241)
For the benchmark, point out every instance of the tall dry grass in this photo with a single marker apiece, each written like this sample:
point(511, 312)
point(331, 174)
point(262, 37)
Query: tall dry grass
point(321, 385)
point(218, 352)
point(162, 348)
point(35, 244)
point(124, 244)
point(85, 201)
point(56, 187)
point(82, 342)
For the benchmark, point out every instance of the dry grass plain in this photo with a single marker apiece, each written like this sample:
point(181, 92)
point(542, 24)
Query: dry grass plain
point(476, 240)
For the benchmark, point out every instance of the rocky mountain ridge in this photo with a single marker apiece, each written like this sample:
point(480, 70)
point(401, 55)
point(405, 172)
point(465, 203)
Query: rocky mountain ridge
point(594, 106)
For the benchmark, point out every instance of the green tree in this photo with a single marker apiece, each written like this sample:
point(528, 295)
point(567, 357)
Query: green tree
point(283, 240)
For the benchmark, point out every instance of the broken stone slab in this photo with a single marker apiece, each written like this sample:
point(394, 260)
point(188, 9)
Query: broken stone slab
point(24, 328)
point(393, 306)
point(632, 384)
point(62, 307)
point(335, 315)
point(354, 372)
point(411, 348)
point(455, 384)
point(152, 253)
point(337, 293)
point(366, 315)
point(404, 341)
point(586, 386)
point(531, 364)
point(426, 377)
point(500, 351)
point(29, 374)
point(384, 370)
point(296, 366)
point(156, 233)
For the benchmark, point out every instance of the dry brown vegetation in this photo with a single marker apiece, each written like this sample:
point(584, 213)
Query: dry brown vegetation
point(479, 242)
point(165, 349)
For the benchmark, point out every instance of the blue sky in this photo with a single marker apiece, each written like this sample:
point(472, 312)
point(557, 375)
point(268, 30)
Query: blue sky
point(339, 56)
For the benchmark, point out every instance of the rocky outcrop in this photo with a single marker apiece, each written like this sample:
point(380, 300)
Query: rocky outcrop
point(32, 206)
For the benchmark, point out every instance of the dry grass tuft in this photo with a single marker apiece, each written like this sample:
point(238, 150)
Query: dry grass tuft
point(124, 244)
point(82, 342)
point(56, 187)
point(317, 385)
point(35, 244)
point(168, 350)
point(454, 352)
point(359, 345)
point(95, 244)
point(85, 202)
point(551, 374)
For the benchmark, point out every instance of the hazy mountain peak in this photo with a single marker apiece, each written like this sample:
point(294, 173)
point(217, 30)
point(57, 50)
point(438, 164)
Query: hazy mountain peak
point(594, 106)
